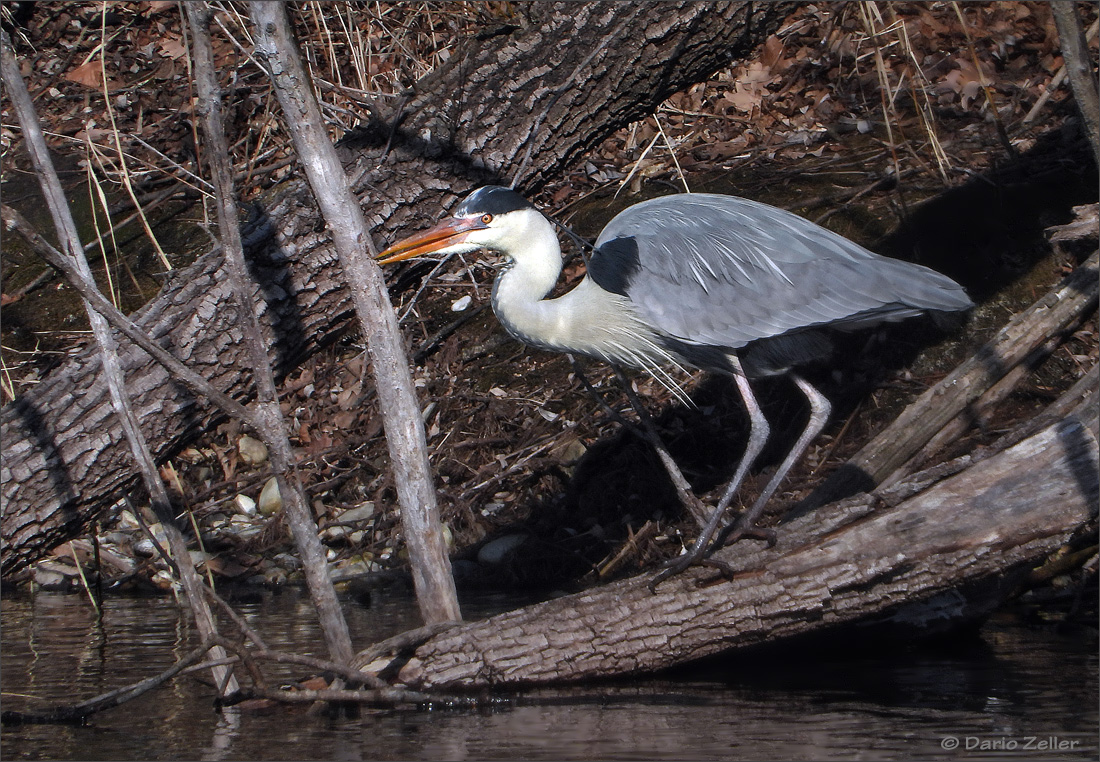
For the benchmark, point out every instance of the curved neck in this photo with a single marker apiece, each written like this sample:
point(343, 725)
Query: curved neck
point(587, 320)
point(519, 293)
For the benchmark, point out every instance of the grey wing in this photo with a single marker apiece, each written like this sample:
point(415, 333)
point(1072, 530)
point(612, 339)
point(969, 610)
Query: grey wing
point(725, 271)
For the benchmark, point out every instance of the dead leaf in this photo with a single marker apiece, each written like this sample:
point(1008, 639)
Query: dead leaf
point(970, 91)
point(224, 567)
point(773, 55)
point(92, 135)
point(344, 419)
point(318, 444)
point(90, 75)
point(172, 479)
point(742, 100)
point(173, 47)
point(755, 74)
point(313, 684)
point(347, 398)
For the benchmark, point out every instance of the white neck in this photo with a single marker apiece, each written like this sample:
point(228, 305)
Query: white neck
point(588, 320)
point(524, 281)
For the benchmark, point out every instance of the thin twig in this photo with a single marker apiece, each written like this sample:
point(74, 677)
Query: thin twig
point(76, 713)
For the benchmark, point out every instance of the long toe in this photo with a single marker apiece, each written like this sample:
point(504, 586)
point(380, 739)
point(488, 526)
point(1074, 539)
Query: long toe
point(672, 568)
point(740, 530)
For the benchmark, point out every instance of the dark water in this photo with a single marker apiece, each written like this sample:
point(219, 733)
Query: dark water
point(1014, 686)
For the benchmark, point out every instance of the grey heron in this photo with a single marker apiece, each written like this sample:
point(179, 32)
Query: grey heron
point(700, 280)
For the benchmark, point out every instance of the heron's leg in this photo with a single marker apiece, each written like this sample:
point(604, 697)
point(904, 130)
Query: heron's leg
point(758, 436)
point(745, 525)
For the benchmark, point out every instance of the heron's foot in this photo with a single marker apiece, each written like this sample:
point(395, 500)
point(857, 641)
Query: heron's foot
point(684, 562)
point(676, 566)
point(742, 530)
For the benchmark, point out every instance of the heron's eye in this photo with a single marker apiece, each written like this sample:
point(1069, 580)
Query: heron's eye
point(486, 219)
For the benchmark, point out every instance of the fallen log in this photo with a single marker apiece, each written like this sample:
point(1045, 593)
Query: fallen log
point(944, 547)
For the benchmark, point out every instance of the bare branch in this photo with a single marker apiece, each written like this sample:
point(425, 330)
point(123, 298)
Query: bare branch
point(273, 431)
point(1075, 51)
point(404, 426)
point(111, 367)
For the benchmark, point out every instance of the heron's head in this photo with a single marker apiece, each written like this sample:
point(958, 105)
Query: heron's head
point(493, 217)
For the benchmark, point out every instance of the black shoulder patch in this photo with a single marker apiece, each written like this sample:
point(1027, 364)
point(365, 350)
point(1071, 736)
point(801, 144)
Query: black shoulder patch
point(492, 199)
point(615, 264)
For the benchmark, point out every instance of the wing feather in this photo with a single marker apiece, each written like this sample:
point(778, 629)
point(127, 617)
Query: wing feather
point(726, 271)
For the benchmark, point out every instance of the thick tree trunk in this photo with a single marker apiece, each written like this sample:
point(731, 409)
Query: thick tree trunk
point(913, 559)
point(521, 102)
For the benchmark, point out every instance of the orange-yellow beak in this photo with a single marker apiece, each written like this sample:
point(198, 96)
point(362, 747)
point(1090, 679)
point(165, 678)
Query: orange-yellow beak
point(447, 233)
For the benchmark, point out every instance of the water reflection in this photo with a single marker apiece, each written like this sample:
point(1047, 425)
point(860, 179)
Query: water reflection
point(1011, 684)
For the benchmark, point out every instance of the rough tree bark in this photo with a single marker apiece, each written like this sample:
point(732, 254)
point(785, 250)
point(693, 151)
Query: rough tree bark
point(520, 102)
point(913, 559)
point(1078, 62)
